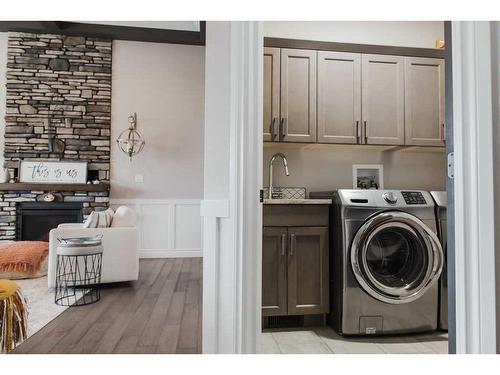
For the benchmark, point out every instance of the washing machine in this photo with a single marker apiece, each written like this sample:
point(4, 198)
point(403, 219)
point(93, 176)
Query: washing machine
point(440, 199)
point(386, 260)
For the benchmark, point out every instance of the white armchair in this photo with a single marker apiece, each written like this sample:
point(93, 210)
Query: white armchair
point(120, 258)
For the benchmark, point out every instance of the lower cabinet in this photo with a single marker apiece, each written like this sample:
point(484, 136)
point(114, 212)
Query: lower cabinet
point(295, 271)
point(274, 264)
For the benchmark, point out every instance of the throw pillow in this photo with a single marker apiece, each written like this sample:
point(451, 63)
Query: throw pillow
point(99, 219)
point(124, 217)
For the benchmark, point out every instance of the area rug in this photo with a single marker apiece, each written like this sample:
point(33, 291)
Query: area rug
point(41, 306)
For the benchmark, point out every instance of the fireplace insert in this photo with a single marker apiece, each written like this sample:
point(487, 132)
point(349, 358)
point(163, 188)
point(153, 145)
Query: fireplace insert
point(36, 219)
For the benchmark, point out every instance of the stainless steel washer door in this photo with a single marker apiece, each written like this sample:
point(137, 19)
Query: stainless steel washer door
point(396, 257)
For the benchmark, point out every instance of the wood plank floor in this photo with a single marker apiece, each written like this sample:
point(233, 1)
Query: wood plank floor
point(160, 313)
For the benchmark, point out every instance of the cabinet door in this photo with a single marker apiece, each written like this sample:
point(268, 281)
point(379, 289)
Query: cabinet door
point(308, 270)
point(424, 101)
point(298, 95)
point(274, 249)
point(383, 99)
point(271, 93)
point(339, 97)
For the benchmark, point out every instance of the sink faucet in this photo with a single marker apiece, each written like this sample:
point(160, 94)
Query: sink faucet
point(285, 165)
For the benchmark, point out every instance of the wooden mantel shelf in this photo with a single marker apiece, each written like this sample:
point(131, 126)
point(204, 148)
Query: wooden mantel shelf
point(53, 187)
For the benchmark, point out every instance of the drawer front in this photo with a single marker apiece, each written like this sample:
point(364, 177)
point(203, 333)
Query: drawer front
point(284, 215)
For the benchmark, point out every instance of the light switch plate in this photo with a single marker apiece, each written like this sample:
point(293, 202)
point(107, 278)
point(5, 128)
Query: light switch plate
point(139, 178)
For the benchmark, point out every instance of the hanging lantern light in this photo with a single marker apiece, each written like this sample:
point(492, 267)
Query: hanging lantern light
point(130, 140)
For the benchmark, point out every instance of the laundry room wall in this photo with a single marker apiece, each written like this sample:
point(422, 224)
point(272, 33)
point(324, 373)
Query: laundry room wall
point(326, 167)
point(322, 167)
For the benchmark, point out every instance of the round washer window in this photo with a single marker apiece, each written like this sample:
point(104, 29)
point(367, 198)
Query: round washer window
point(396, 258)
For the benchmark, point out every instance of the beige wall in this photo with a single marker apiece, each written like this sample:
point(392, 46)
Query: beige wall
point(164, 84)
point(321, 167)
point(395, 33)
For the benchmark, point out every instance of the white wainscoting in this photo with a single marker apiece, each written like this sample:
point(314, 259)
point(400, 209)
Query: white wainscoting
point(168, 228)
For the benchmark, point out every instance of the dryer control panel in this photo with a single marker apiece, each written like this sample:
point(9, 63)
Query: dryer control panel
point(413, 197)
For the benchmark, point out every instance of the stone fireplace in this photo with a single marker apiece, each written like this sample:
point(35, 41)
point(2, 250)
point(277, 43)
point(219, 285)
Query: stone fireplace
point(58, 87)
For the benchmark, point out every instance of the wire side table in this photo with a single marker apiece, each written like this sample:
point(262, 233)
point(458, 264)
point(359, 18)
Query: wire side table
point(78, 271)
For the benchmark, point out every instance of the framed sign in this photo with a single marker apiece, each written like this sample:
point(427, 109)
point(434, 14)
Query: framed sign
point(53, 172)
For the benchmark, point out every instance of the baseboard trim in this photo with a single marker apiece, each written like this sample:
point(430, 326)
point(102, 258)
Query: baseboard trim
point(164, 253)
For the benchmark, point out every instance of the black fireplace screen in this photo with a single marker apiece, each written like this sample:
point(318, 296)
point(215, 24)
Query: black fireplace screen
point(36, 219)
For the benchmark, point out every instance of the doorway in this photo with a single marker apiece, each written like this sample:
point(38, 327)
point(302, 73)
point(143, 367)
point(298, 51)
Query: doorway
point(237, 324)
point(286, 140)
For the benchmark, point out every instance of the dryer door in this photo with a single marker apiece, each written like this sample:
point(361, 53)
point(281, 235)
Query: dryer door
point(396, 257)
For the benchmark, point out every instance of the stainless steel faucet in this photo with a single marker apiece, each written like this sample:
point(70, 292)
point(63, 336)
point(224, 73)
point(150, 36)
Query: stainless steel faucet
point(285, 165)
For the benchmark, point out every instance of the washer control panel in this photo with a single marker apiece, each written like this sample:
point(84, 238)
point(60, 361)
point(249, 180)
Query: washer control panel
point(413, 197)
point(390, 197)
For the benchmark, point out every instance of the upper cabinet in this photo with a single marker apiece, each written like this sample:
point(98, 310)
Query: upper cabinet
point(352, 98)
point(271, 93)
point(383, 100)
point(339, 97)
point(424, 101)
point(298, 96)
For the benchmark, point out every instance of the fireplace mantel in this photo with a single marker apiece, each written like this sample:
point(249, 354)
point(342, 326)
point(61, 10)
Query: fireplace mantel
point(20, 186)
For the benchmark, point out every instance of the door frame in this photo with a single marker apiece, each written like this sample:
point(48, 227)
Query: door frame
point(472, 222)
point(450, 186)
point(232, 214)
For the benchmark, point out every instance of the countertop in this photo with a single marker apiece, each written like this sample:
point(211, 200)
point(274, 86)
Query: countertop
point(297, 201)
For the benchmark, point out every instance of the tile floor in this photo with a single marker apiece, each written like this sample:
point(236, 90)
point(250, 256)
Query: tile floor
point(324, 340)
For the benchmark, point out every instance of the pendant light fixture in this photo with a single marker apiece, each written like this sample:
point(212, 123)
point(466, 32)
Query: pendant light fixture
point(130, 141)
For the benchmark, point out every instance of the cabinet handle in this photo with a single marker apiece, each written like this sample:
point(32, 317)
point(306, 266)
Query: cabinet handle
point(293, 242)
point(284, 127)
point(283, 244)
point(280, 126)
point(272, 128)
point(366, 135)
point(443, 132)
point(357, 131)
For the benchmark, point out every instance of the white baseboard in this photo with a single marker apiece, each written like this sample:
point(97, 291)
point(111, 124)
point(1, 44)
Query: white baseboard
point(155, 253)
point(168, 228)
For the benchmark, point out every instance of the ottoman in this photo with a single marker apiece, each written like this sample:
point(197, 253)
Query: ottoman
point(13, 316)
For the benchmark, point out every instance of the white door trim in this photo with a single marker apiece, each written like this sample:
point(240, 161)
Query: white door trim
point(212, 211)
point(232, 228)
point(474, 188)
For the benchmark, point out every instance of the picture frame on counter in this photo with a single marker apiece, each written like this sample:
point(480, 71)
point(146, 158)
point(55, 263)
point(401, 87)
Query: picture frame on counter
point(368, 176)
point(56, 172)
